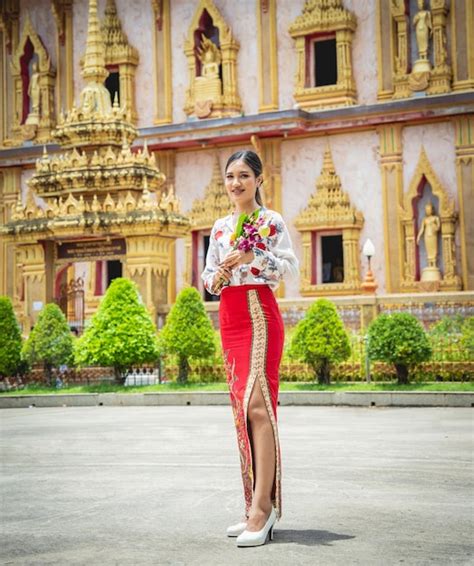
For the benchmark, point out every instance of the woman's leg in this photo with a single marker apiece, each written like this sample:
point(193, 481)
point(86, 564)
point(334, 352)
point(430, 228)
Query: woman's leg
point(264, 458)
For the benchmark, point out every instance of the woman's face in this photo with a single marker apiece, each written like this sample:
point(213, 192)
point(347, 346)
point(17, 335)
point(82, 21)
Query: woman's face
point(240, 183)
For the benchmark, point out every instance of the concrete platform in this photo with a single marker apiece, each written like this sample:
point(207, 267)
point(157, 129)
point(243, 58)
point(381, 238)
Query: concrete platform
point(159, 484)
point(312, 398)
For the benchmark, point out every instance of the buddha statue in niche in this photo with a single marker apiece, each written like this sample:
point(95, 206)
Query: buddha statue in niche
point(423, 30)
point(34, 93)
point(208, 86)
point(430, 226)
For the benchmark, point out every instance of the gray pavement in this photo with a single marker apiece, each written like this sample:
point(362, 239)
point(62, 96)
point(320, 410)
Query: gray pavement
point(159, 485)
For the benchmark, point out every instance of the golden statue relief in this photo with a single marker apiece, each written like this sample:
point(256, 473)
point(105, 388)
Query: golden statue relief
point(210, 57)
point(430, 226)
point(423, 30)
point(34, 93)
point(208, 87)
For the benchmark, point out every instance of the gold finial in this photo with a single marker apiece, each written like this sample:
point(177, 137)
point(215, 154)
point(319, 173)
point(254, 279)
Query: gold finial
point(216, 171)
point(328, 164)
point(94, 60)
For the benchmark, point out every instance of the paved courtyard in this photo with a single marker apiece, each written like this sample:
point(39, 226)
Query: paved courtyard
point(159, 485)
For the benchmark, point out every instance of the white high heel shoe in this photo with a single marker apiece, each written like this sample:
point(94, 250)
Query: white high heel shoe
point(256, 538)
point(236, 530)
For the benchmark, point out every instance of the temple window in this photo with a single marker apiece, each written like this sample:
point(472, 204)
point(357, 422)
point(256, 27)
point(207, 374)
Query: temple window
point(112, 83)
point(330, 229)
point(324, 65)
point(323, 36)
point(331, 258)
point(114, 270)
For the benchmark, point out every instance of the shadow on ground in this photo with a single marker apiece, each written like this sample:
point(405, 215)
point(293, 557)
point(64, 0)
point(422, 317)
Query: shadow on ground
point(307, 537)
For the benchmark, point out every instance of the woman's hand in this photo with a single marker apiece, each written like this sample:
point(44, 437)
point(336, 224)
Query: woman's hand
point(222, 275)
point(237, 257)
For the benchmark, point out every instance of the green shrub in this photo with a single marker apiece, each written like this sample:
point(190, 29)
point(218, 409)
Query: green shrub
point(467, 338)
point(447, 325)
point(320, 339)
point(188, 331)
point(50, 342)
point(399, 339)
point(10, 339)
point(121, 333)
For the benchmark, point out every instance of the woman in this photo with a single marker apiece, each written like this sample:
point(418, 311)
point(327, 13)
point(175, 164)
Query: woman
point(252, 335)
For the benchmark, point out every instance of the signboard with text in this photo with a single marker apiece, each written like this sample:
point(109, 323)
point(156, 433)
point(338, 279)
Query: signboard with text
point(83, 250)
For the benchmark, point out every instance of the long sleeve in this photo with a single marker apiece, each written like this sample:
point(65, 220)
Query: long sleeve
point(212, 262)
point(278, 260)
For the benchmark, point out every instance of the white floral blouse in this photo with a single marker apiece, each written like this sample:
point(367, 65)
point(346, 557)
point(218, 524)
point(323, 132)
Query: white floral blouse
point(274, 256)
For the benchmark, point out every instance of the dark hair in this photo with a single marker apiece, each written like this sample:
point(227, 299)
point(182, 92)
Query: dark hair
point(251, 159)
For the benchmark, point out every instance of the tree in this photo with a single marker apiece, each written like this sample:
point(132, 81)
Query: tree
point(121, 333)
point(399, 339)
point(188, 331)
point(10, 339)
point(50, 342)
point(320, 339)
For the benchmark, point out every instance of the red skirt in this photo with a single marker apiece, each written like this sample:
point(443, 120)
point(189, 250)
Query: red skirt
point(252, 335)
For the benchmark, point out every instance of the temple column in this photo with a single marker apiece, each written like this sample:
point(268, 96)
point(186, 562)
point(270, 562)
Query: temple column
point(391, 164)
point(31, 264)
point(465, 186)
point(162, 62)
point(9, 37)
point(148, 263)
point(10, 190)
point(267, 55)
point(62, 11)
point(462, 44)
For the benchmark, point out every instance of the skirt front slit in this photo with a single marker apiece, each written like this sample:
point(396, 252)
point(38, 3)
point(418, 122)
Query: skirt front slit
point(252, 335)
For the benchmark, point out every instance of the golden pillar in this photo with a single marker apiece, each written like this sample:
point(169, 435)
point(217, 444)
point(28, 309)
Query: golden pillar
point(31, 264)
point(9, 37)
point(465, 183)
point(148, 262)
point(391, 164)
point(441, 73)
point(462, 44)
point(269, 150)
point(162, 62)
point(10, 192)
point(401, 56)
point(267, 55)
point(62, 11)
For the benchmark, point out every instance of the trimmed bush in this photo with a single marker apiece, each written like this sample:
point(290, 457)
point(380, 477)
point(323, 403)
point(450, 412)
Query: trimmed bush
point(10, 339)
point(50, 342)
point(399, 339)
point(320, 339)
point(121, 333)
point(188, 331)
point(467, 337)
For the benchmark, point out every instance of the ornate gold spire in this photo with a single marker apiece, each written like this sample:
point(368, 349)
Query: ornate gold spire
point(215, 203)
point(117, 48)
point(329, 206)
point(94, 59)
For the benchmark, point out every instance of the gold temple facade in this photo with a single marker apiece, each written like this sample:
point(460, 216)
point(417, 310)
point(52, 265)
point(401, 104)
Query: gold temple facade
point(116, 120)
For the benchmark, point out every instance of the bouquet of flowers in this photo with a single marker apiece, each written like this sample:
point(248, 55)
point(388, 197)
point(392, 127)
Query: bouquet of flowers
point(249, 232)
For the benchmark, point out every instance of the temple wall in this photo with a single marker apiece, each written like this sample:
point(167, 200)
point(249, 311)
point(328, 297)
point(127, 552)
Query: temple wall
point(137, 21)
